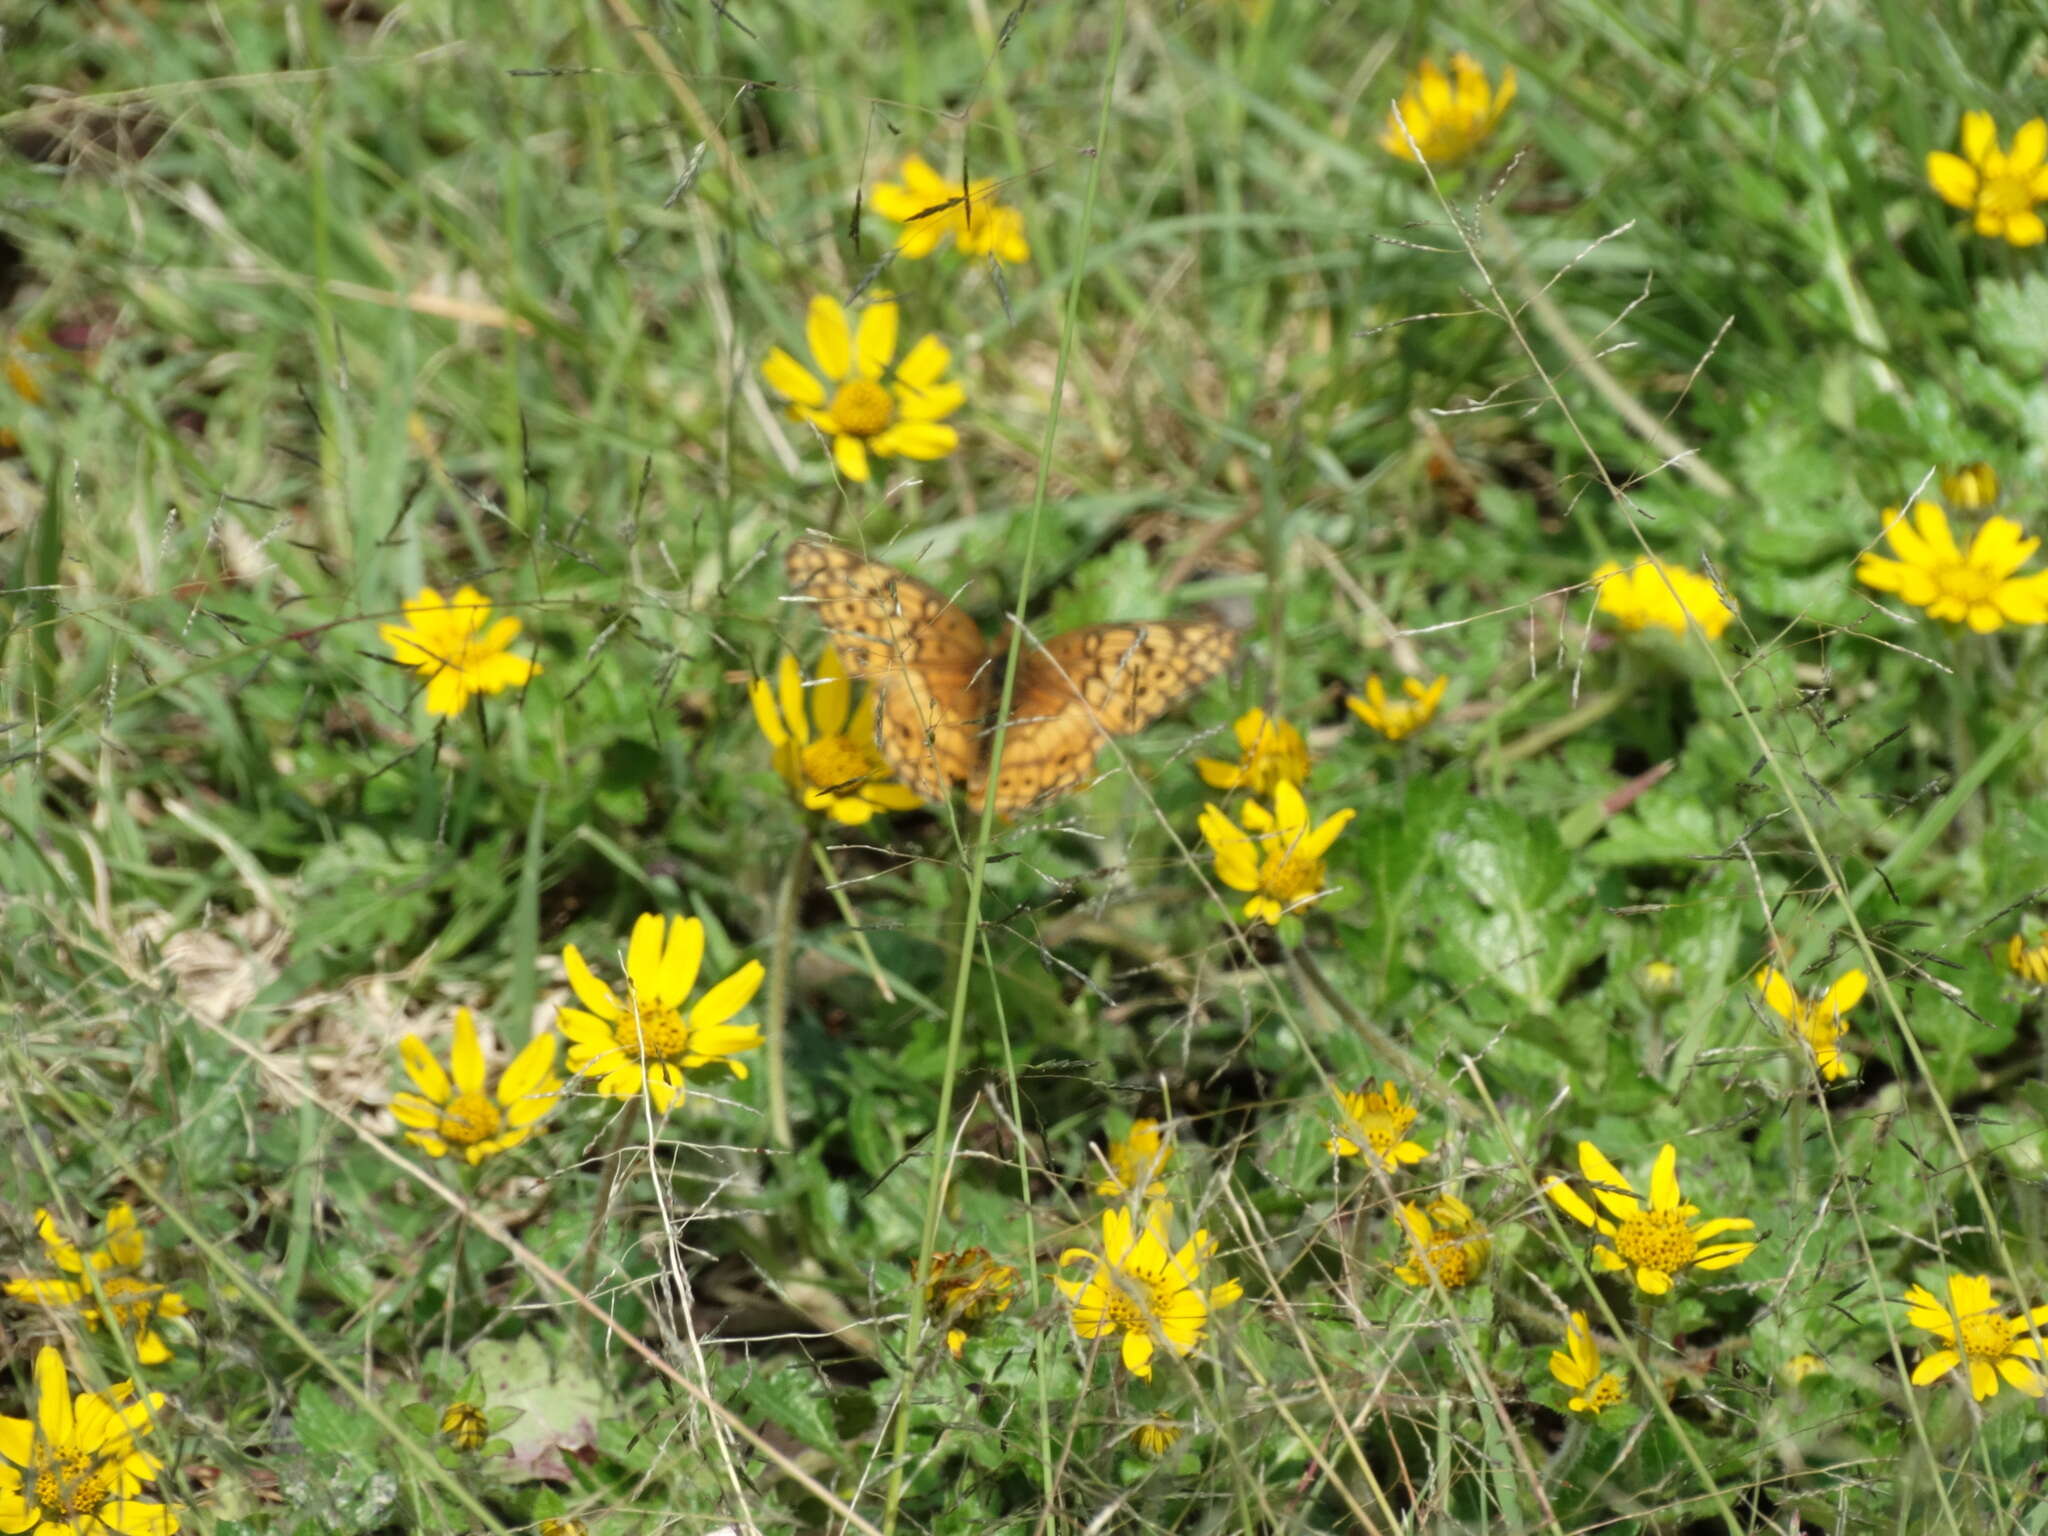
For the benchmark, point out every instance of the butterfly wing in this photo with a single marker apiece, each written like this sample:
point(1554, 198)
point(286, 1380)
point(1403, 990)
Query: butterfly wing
point(1082, 687)
point(925, 658)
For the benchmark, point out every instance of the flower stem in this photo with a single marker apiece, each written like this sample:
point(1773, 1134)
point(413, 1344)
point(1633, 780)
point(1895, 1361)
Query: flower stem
point(860, 934)
point(779, 960)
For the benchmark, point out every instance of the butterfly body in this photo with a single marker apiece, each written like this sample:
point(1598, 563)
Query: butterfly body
point(938, 682)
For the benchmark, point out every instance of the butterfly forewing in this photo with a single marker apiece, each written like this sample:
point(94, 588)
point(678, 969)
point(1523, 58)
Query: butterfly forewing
point(926, 659)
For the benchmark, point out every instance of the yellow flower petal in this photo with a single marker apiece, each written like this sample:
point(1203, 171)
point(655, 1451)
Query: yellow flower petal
point(830, 341)
point(793, 381)
point(875, 341)
point(424, 1071)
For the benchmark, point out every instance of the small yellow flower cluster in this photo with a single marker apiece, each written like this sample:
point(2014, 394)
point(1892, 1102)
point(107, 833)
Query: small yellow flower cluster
point(1140, 1289)
point(1654, 1242)
point(1446, 1243)
point(1275, 855)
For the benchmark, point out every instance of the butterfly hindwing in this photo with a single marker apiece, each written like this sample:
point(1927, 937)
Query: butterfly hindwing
point(1079, 688)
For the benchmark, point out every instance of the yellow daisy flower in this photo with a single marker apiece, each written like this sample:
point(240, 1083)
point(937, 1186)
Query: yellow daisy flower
point(1275, 857)
point(456, 1111)
point(897, 412)
point(1971, 488)
point(962, 1289)
point(827, 753)
point(74, 1469)
point(1444, 1238)
point(564, 1528)
point(1657, 1241)
point(1817, 1021)
point(647, 1041)
point(2029, 961)
point(1397, 718)
point(1269, 750)
point(1447, 118)
point(1998, 188)
point(456, 648)
point(1145, 1289)
point(134, 1301)
point(1157, 1435)
point(1977, 1333)
point(1653, 595)
point(1577, 1366)
point(929, 207)
point(1978, 589)
point(1375, 1123)
point(1136, 1162)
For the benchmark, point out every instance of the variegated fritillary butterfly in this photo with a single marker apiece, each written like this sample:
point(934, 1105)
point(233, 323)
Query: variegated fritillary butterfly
point(937, 681)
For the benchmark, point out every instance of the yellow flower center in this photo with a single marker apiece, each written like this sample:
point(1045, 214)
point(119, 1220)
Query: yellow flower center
point(1381, 1135)
point(133, 1302)
point(1289, 879)
point(1131, 1300)
point(862, 408)
point(1987, 1336)
point(1965, 582)
point(1452, 1260)
point(470, 1118)
point(655, 1034)
point(1658, 1240)
point(2002, 192)
point(70, 1484)
point(838, 764)
point(1605, 1392)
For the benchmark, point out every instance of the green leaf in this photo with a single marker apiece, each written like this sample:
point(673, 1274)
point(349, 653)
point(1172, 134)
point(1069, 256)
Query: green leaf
point(559, 1401)
point(328, 1428)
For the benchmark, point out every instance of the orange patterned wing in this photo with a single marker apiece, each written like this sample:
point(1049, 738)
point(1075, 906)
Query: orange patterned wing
point(925, 657)
point(1087, 685)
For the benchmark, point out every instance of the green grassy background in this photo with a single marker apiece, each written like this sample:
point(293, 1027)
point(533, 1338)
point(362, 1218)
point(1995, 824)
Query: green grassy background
point(328, 302)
